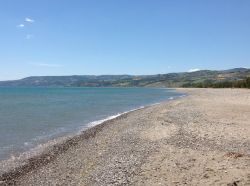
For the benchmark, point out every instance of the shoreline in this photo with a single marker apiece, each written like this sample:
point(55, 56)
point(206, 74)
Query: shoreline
point(31, 144)
point(44, 153)
point(51, 119)
point(48, 155)
point(201, 139)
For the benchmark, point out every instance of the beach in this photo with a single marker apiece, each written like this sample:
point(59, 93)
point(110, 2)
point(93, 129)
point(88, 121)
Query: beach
point(200, 139)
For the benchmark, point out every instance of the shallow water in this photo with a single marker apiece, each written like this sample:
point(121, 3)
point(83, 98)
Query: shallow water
point(30, 116)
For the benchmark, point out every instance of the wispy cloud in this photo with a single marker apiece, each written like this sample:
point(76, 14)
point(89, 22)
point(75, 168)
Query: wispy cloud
point(45, 65)
point(29, 20)
point(193, 70)
point(29, 36)
point(20, 25)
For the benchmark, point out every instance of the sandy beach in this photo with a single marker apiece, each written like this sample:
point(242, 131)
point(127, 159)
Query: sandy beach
point(200, 139)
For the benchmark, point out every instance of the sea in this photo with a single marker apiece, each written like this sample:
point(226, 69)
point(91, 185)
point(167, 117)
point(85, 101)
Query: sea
point(31, 116)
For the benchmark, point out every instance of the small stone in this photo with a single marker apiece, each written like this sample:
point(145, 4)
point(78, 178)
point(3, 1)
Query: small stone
point(175, 182)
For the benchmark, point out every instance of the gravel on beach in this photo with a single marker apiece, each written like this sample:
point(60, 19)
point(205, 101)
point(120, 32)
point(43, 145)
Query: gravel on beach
point(200, 139)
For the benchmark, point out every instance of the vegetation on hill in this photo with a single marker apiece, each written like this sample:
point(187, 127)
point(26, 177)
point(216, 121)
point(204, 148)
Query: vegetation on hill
point(204, 78)
point(224, 84)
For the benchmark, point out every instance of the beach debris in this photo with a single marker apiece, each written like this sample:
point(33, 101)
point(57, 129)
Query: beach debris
point(234, 155)
point(235, 183)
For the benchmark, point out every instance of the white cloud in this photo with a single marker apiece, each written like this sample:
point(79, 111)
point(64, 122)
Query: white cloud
point(29, 20)
point(45, 65)
point(193, 70)
point(20, 25)
point(29, 36)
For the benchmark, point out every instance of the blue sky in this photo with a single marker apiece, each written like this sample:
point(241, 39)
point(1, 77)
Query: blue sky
point(66, 37)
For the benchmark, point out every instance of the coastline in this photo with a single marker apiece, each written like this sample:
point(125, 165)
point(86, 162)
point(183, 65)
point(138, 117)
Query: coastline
point(191, 140)
point(53, 120)
point(42, 154)
point(49, 153)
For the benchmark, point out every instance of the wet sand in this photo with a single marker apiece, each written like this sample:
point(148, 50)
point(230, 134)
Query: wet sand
point(200, 139)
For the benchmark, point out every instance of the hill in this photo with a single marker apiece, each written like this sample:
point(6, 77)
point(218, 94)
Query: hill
point(183, 79)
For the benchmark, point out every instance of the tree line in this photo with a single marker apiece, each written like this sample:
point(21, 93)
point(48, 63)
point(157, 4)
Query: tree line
point(223, 84)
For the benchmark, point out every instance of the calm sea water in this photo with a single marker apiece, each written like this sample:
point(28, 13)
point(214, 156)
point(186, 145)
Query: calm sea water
point(29, 116)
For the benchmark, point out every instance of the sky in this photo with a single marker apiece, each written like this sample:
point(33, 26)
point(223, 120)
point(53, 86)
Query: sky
point(82, 37)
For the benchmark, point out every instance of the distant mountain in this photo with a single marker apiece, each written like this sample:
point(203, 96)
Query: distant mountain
point(184, 79)
point(65, 81)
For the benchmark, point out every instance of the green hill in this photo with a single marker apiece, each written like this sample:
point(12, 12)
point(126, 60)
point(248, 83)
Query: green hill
point(184, 79)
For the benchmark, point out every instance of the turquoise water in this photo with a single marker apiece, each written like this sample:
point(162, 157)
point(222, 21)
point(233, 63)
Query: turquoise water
point(30, 116)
